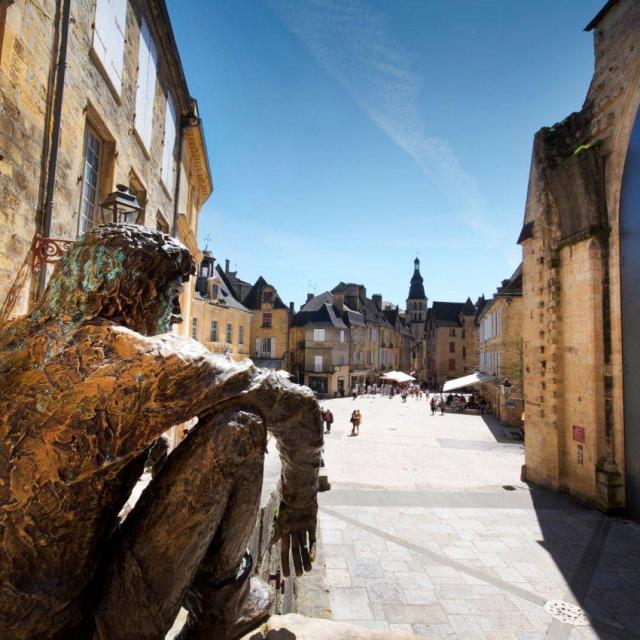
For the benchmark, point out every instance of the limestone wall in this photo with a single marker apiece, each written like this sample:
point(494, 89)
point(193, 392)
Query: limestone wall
point(571, 282)
point(26, 86)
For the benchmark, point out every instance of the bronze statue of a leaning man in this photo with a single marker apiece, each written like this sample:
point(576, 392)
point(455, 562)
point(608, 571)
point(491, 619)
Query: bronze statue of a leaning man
point(88, 381)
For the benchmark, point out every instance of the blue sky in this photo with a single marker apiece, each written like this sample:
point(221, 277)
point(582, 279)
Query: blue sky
point(347, 135)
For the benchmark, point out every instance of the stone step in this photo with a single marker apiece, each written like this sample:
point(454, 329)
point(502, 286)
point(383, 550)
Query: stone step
point(294, 626)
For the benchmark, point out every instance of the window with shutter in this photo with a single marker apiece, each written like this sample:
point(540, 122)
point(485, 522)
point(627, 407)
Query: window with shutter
point(146, 89)
point(108, 38)
point(273, 347)
point(168, 143)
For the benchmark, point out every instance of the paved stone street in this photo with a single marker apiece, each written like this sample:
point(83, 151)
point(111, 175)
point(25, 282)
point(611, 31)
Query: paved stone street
point(428, 529)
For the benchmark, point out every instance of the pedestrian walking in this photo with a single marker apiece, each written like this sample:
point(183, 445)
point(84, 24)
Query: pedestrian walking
point(432, 405)
point(403, 395)
point(356, 419)
point(441, 406)
point(328, 420)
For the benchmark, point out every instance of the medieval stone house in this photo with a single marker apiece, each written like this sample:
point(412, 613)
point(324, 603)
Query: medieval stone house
point(581, 291)
point(93, 96)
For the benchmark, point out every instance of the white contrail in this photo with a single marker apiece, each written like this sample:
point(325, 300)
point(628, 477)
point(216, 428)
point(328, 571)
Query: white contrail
point(352, 42)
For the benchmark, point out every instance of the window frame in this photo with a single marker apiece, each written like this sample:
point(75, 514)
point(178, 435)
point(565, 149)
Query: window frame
point(267, 324)
point(90, 131)
point(229, 333)
point(194, 327)
point(213, 331)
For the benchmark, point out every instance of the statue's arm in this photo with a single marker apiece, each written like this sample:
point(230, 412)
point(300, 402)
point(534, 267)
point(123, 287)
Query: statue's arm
point(154, 383)
point(295, 420)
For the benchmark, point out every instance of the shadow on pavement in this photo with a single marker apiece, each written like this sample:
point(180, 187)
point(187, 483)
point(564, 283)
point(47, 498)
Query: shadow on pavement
point(501, 432)
point(599, 558)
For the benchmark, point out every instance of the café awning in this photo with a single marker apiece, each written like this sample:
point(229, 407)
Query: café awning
point(467, 381)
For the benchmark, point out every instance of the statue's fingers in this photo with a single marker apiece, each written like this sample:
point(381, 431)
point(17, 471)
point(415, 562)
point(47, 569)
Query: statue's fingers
point(304, 551)
point(312, 545)
point(284, 555)
point(295, 552)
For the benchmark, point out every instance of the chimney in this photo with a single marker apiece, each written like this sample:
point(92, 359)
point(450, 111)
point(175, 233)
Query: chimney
point(338, 301)
point(377, 300)
point(309, 296)
point(226, 265)
point(292, 308)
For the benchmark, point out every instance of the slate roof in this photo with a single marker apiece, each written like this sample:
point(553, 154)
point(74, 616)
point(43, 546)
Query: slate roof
point(594, 22)
point(225, 299)
point(352, 318)
point(468, 308)
point(511, 287)
point(367, 308)
point(416, 288)
point(319, 311)
point(446, 313)
point(253, 299)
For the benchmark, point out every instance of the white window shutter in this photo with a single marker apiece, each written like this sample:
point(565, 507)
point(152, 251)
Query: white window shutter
point(258, 346)
point(108, 37)
point(273, 347)
point(146, 89)
point(169, 143)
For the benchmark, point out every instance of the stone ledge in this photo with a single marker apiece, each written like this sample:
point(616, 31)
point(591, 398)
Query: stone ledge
point(296, 627)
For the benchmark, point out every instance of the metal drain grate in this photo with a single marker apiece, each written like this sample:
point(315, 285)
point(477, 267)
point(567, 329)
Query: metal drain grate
point(567, 612)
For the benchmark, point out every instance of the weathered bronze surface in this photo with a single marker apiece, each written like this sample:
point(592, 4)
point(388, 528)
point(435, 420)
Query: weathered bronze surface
point(87, 385)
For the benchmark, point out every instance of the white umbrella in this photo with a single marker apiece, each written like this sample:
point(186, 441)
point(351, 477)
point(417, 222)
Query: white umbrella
point(398, 376)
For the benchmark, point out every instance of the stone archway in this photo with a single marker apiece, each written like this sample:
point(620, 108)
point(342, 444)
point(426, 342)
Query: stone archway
point(630, 300)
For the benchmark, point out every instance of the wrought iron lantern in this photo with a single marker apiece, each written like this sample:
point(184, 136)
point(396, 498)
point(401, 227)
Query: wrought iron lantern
point(505, 388)
point(121, 206)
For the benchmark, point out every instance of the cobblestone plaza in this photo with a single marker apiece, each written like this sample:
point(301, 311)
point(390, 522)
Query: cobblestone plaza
point(428, 529)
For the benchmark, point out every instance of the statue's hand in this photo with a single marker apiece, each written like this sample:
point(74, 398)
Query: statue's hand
point(296, 528)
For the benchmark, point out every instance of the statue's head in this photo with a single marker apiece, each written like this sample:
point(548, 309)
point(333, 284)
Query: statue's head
point(126, 273)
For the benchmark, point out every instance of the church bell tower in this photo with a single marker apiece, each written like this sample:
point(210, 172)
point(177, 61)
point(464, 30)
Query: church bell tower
point(416, 302)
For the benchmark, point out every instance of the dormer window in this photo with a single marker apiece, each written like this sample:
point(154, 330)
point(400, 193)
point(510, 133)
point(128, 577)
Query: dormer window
point(267, 296)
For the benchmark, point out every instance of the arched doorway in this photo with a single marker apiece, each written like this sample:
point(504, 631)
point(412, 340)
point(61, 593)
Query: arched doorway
point(630, 291)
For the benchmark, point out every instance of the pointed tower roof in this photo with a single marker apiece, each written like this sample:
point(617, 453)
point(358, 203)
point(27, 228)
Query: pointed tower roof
point(468, 309)
point(416, 290)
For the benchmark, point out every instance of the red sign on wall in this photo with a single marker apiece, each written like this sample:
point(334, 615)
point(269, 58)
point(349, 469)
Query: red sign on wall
point(578, 433)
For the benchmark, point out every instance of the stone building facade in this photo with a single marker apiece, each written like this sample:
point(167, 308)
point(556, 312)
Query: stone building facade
point(500, 347)
point(450, 332)
point(581, 270)
point(92, 97)
point(218, 320)
point(320, 345)
point(269, 326)
point(271, 319)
